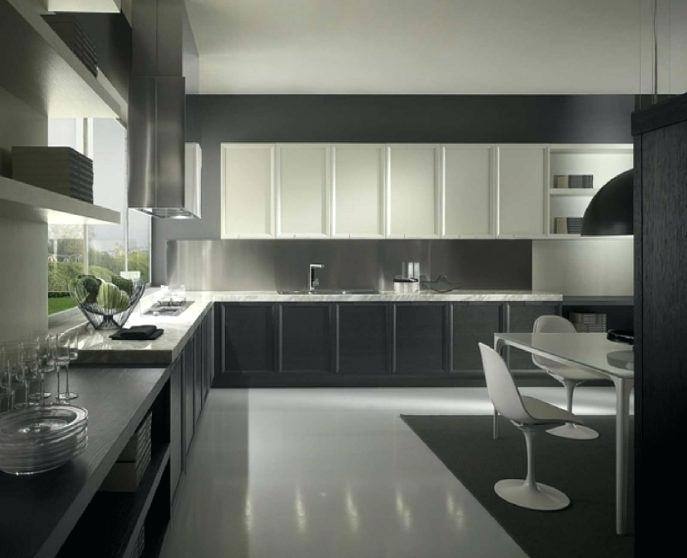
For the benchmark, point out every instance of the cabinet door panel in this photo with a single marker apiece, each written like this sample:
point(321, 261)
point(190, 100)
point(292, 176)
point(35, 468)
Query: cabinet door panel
point(358, 190)
point(303, 186)
point(197, 375)
point(521, 191)
point(467, 197)
point(521, 319)
point(247, 186)
point(176, 449)
point(363, 339)
point(248, 338)
point(413, 191)
point(420, 335)
point(187, 366)
point(473, 324)
point(210, 348)
point(306, 338)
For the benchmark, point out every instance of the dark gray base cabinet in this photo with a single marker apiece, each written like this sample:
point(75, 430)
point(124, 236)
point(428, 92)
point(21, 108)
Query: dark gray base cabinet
point(306, 338)
point(420, 338)
point(363, 339)
point(187, 364)
point(190, 377)
point(176, 444)
point(366, 343)
point(248, 338)
point(473, 323)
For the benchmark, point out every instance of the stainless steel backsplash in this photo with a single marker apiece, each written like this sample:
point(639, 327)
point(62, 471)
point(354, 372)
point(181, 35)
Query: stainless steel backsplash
point(266, 265)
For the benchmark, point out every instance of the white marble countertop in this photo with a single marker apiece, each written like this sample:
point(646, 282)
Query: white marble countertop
point(389, 296)
point(96, 347)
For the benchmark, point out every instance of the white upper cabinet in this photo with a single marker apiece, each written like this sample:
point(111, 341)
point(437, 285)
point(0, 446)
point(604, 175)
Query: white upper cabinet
point(468, 190)
point(358, 191)
point(248, 172)
point(193, 167)
point(302, 190)
point(522, 176)
point(413, 191)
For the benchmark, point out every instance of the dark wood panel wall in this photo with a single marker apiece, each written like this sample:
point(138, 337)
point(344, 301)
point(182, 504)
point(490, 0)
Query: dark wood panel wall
point(660, 228)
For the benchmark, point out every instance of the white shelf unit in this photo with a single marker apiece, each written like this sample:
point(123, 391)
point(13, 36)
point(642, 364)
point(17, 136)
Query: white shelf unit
point(601, 161)
point(585, 192)
point(19, 200)
point(39, 68)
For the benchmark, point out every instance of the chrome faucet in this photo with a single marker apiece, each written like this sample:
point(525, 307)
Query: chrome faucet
point(313, 279)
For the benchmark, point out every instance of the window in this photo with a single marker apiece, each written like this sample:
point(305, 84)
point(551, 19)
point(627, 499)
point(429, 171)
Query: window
point(101, 250)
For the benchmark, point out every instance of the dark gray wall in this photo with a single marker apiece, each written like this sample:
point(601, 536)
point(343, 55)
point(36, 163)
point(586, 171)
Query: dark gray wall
point(265, 265)
point(213, 119)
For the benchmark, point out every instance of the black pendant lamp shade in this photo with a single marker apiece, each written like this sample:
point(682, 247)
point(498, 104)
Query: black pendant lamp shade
point(610, 211)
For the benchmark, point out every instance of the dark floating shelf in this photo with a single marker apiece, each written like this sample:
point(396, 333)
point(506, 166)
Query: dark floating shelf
point(38, 67)
point(112, 521)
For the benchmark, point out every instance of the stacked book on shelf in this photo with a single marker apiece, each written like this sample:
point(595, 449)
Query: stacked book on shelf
point(68, 29)
point(567, 225)
point(573, 181)
point(127, 472)
point(60, 169)
point(587, 322)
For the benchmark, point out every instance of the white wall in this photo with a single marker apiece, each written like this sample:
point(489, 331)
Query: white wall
point(23, 279)
point(24, 245)
point(584, 266)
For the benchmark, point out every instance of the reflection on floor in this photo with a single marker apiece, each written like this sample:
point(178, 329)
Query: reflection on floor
point(332, 473)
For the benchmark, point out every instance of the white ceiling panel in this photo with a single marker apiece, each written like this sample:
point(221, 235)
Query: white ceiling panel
point(429, 46)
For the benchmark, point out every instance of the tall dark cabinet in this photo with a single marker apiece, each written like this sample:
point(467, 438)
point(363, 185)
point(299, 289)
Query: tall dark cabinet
point(660, 228)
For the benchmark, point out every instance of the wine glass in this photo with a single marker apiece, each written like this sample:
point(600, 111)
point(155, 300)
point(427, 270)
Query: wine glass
point(67, 351)
point(47, 364)
point(33, 378)
point(17, 375)
point(6, 389)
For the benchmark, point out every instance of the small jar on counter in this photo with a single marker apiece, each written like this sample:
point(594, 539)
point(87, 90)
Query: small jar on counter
point(403, 285)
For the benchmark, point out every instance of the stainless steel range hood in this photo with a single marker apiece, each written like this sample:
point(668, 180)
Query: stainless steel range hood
point(157, 101)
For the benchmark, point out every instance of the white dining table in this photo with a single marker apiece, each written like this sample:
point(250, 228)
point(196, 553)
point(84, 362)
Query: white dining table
point(590, 351)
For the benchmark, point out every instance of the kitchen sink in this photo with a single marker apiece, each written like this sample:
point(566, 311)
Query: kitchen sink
point(165, 308)
point(327, 291)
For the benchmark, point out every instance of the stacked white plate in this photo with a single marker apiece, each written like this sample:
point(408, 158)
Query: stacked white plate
point(39, 439)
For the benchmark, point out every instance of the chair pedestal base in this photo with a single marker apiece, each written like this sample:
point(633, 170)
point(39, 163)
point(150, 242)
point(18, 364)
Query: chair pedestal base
point(574, 432)
point(541, 498)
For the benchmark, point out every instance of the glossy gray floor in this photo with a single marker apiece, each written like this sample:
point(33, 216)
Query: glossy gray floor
point(329, 473)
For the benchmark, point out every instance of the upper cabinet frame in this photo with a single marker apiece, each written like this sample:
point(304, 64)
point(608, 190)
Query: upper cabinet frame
point(343, 196)
point(292, 177)
point(404, 227)
point(262, 192)
point(521, 204)
point(483, 163)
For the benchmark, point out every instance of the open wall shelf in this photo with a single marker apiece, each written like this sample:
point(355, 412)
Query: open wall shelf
point(600, 161)
point(19, 200)
point(590, 192)
point(39, 68)
point(112, 524)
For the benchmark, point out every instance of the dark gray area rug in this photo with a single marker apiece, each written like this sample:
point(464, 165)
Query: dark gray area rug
point(584, 470)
